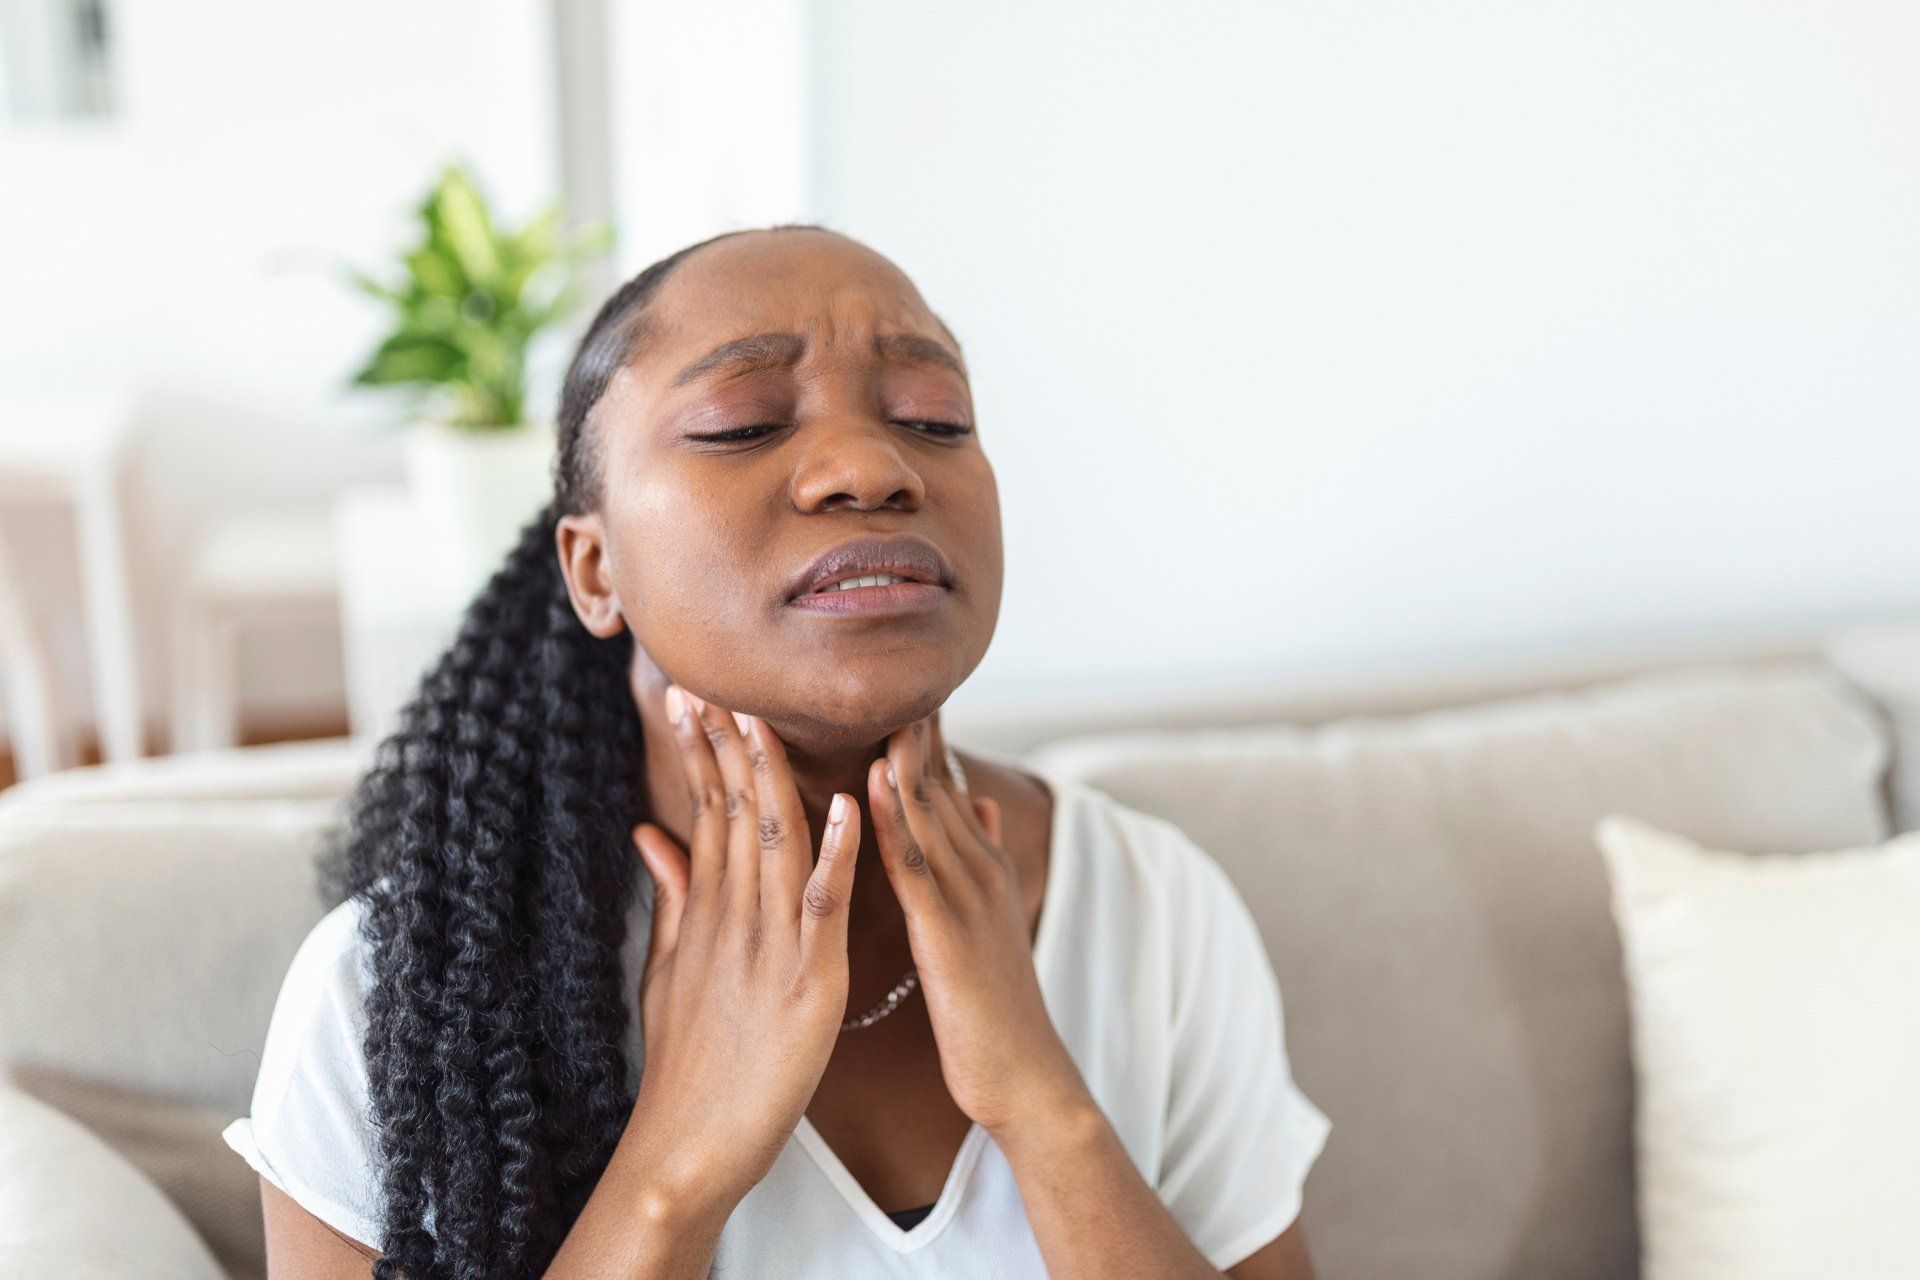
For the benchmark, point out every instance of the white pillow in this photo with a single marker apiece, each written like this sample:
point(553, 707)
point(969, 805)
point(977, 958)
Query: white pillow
point(71, 1207)
point(1776, 1043)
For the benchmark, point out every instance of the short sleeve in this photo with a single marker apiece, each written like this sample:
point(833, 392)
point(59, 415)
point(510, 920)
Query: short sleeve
point(1240, 1134)
point(309, 1132)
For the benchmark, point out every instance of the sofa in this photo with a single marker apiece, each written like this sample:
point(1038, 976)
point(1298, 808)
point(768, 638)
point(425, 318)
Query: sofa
point(1418, 853)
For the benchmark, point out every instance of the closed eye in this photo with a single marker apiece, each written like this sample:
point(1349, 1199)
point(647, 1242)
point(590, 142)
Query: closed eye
point(738, 433)
point(945, 430)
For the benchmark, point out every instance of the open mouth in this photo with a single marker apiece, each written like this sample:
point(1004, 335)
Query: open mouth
point(865, 580)
point(899, 573)
point(872, 593)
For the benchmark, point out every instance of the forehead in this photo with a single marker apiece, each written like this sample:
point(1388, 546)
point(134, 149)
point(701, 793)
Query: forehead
point(835, 291)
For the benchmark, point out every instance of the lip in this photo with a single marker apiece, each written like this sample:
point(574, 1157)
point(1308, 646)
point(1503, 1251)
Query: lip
point(898, 597)
point(910, 557)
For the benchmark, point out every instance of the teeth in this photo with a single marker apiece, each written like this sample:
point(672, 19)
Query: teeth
point(872, 580)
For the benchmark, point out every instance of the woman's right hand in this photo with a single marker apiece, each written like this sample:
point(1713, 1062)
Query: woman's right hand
point(745, 985)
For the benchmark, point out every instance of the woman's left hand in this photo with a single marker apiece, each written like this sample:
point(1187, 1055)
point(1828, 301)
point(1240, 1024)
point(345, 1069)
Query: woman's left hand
point(1000, 1055)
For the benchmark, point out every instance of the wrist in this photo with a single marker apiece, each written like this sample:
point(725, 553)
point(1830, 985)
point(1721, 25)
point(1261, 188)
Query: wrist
point(667, 1187)
point(671, 1208)
point(1064, 1108)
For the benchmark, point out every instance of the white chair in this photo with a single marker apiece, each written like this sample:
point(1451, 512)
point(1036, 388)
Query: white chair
point(69, 450)
point(249, 571)
point(32, 724)
point(398, 612)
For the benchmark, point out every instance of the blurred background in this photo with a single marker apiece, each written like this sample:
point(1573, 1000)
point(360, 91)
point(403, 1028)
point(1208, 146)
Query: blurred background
point(1458, 463)
point(1312, 342)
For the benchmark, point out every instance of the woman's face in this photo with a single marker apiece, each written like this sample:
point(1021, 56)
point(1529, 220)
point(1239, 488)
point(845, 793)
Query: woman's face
point(842, 390)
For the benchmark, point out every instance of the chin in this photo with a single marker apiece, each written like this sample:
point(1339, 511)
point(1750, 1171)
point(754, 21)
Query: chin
point(843, 714)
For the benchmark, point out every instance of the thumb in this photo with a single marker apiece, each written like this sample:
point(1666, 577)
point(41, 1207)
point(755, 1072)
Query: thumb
point(670, 871)
point(825, 905)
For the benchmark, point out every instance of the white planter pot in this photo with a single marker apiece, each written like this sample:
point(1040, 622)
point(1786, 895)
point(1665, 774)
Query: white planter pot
point(473, 492)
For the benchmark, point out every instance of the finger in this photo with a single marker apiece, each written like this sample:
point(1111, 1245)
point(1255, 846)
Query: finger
point(706, 798)
point(827, 900)
point(938, 757)
point(956, 777)
point(668, 867)
point(969, 839)
point(949, 761)
point(900, 853)
point(950, 803)
point(914, 790)
point(742, 877)
point(786, 837)
point(988, 811)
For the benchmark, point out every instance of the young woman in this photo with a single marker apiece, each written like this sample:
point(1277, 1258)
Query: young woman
point(772, 552)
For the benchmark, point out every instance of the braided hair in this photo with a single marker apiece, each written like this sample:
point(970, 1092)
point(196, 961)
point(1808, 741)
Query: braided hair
point(489, 847)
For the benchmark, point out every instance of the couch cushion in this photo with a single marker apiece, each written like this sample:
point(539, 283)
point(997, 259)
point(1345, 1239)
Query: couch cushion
point(1884, 661)
point(1776, 1043)
point(1438, 917)
point(320, 769)
point(70, 1207)
point(141, 947)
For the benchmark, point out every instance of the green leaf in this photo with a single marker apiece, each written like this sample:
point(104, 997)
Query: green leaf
point(409, 357)
point(370, 286)
point(426, 313)
point(436, 272)
point(475, 297)
point(462, 215)
point(534, 243)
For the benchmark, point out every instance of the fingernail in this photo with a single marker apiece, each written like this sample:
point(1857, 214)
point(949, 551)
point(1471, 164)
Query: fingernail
point(890, 778)
point(743, 720)
point(676, 702)
point(837, 811)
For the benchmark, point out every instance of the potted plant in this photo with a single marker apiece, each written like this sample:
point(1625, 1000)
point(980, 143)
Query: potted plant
point(471, 301)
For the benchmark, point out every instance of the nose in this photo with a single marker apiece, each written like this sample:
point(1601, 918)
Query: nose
point(855, 460)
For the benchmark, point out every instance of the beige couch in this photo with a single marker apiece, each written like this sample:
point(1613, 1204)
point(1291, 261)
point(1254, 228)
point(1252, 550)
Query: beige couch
point(1419, 857)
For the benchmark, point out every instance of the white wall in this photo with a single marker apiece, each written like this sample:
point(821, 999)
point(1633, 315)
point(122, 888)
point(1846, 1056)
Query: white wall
point(1318, 338)
point(709, 120)
point(1340, 337)
point(181, 247)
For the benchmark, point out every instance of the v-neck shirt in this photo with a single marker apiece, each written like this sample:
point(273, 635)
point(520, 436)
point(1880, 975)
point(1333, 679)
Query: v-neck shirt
point(1149, 964)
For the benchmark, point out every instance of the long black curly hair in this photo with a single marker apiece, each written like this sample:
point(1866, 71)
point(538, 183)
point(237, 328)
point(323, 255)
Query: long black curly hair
point(489, 845)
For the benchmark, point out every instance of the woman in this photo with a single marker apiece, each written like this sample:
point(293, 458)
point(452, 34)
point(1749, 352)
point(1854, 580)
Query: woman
point(772, 553)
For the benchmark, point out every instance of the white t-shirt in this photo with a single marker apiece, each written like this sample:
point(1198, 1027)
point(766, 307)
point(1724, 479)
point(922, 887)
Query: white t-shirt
point(1151, 968)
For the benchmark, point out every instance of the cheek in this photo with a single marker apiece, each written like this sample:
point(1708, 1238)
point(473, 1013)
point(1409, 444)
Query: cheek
point(978, 515)
point(685, 561)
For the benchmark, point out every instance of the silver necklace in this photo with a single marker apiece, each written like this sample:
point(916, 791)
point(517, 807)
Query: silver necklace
point(900, 992)
point(905, 986)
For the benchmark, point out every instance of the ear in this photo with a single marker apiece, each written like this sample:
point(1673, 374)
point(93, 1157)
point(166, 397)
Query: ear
point(581, 541)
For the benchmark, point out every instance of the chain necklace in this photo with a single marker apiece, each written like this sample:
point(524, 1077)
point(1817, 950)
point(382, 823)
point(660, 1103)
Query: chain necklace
point(900, 992)
point(905, 986)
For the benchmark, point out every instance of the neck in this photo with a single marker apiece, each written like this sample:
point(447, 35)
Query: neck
point(876, 928)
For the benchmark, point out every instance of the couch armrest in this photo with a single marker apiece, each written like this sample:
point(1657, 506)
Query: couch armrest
point(71, 1206)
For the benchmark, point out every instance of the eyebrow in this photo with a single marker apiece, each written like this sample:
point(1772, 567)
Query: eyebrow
point(774, 350)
